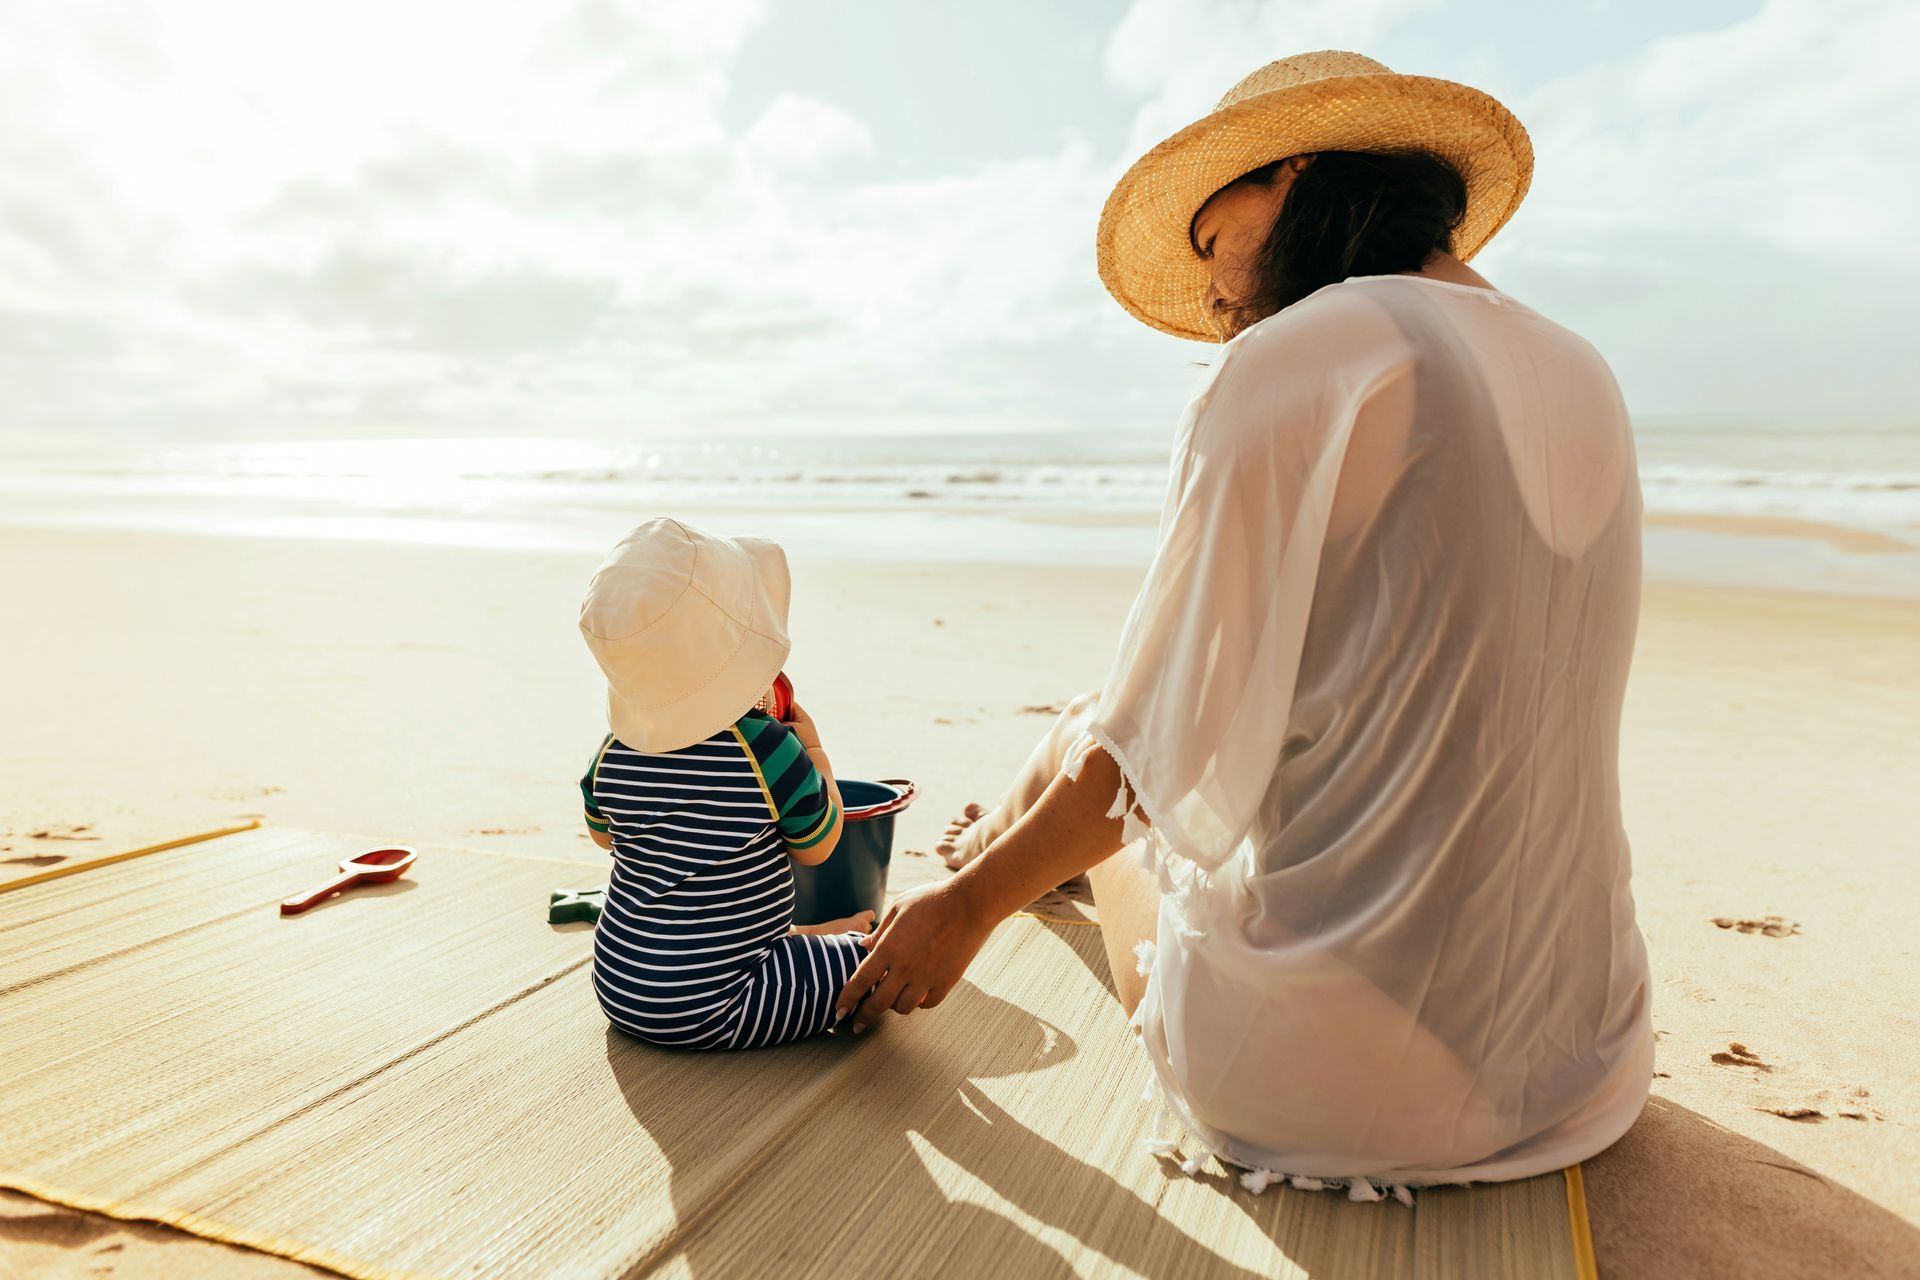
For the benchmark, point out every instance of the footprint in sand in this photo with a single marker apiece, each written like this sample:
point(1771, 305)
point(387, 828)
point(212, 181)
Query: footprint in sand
point(1824, 1104)
point(1041, 709)
point(63, 831)
point(1813, 1114)
point(1738, 1055)
point(1766, 926)
point(35, 860)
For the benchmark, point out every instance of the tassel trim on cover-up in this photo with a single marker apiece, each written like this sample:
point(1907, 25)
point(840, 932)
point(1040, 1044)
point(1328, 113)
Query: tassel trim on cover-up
point(1258, 1180)
point(1131, 826)
point(1255, 1178)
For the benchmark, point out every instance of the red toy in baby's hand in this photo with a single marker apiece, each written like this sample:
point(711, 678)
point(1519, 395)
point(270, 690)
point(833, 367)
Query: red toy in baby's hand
point(779, 700)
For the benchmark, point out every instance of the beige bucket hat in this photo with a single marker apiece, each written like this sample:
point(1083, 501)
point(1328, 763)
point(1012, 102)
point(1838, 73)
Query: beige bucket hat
point(690, 628)
point(1326, 101)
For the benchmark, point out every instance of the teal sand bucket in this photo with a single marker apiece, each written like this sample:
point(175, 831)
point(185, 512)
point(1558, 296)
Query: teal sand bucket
point(855, 877)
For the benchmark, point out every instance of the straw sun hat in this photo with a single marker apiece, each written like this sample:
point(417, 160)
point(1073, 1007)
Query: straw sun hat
point(1328, 101)
point(690, 629)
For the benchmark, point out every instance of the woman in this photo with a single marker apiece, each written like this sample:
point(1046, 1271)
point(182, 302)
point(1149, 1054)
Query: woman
point(1364, 718)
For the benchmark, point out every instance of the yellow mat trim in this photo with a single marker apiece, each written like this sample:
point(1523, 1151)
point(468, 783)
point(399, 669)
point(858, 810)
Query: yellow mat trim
point(74, 868)
point(1583, 1264)
point(208, 1229)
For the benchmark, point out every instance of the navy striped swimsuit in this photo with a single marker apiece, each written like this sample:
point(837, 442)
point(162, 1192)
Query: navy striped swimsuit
point(692, 949)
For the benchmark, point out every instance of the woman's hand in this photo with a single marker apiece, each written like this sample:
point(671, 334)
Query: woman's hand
point(924, 944)
point(930, 936)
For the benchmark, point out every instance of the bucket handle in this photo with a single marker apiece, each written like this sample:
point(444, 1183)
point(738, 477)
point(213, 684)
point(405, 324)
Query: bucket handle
point(907, 790)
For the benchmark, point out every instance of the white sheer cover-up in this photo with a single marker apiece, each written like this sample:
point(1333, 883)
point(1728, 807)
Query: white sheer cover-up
point(1369, 700)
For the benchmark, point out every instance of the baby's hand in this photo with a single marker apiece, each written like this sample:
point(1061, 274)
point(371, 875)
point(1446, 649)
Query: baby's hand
point(802, 724)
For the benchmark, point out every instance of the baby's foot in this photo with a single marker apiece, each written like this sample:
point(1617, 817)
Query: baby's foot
point(962, 843)
point(858, 922)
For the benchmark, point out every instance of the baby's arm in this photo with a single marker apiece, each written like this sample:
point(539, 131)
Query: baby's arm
point(802, 797)
point(816, 849)
point(597, 825)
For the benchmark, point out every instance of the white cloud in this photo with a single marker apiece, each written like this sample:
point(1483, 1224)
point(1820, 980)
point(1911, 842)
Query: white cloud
point(801, 133)
point(1791, 127)
point(1182, 55)
point(249, 225)
point(406, 216)
point(202, 205)
point(1728, 214)
point(437, 215)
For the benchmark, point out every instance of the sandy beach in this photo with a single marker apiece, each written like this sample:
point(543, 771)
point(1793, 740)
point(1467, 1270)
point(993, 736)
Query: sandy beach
point(162, 684)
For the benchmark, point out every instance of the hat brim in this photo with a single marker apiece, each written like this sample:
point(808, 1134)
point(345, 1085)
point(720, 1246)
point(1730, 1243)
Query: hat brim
point(739, 682)
point(1143, 247)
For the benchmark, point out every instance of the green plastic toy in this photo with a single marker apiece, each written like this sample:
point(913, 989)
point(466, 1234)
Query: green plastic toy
point(564, 906)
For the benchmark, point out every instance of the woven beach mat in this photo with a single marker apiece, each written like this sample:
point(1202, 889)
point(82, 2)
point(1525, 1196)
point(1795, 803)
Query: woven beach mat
point(415, 1080)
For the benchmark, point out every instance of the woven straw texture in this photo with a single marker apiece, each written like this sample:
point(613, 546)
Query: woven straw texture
point(415, 1080)
point(1327, 101)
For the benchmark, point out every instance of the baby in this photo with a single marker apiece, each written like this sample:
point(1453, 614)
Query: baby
point(703, 796)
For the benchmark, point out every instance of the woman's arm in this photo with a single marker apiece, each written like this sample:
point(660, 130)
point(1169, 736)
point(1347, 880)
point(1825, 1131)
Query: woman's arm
point(928, 938)
point(1065, 834)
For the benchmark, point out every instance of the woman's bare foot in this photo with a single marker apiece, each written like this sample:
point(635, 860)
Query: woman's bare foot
point(858, 922)
point(962, 842)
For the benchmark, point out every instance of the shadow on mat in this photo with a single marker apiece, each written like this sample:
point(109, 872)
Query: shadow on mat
point(881, 1170)
point(1680, 1195)
point(877, 1184)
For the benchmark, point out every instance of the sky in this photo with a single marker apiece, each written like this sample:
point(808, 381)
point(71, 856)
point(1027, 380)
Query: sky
point(613, 218)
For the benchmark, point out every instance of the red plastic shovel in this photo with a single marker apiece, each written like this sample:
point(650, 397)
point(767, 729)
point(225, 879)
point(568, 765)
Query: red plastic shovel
point(375, 866)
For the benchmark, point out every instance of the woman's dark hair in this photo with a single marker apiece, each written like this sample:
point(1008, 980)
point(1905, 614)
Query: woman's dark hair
point(1352, 213)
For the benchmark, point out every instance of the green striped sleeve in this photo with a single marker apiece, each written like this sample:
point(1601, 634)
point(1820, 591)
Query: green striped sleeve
point(596, 820)
point(804, 808)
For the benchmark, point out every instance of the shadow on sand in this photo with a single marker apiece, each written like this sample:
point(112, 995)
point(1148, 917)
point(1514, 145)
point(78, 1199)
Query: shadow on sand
point(1680, 1195)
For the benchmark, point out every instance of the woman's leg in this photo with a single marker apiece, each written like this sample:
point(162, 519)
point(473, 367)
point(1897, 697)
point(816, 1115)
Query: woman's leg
point(969, 834)
point(1128, 897)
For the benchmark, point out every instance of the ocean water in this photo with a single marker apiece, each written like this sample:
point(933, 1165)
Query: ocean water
point(1030, 498)
point(1070, 497)
point(1863, 476)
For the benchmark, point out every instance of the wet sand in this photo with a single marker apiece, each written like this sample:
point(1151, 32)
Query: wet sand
point(1847, 538)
